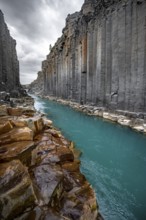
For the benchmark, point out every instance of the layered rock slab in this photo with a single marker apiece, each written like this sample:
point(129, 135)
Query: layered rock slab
point(46, 173)
point(16, 191)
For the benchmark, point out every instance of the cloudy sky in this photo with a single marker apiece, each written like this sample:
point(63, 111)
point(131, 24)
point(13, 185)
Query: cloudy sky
point(35, 24)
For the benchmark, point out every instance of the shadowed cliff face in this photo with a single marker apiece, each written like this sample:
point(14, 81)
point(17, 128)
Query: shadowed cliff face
point(9, 65)
point(101, 56)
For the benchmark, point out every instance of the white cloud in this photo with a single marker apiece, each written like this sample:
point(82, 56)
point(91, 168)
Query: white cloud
point(35, 24)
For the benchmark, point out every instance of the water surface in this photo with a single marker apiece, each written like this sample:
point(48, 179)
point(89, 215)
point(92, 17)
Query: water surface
point(113, 160)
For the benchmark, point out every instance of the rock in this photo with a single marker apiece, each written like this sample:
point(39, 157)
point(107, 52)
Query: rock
point(65, 154)
point(41, 213)
point(15, 111)
point(29, 112)
point(54, 133)
point(39, 124)
point(51, 186)
point(123, 120)
point(36, 124)
point(47, 122)
point(3, 110)
point(110, 82)
point(48, 185)
point(6, 127)
point(17, 150)
point(4, 96)
point(37, 85)
point(111, 117)
point(80, 204)
point(72, 166)
point(15, 189)
point(76, 152)
point(9, 74)
point(44, 153)
point(139, 128)
point(17, 134)
point(20, 123)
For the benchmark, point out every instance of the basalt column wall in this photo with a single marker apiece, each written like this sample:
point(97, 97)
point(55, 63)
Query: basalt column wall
point(9, 65)
point(101, 56)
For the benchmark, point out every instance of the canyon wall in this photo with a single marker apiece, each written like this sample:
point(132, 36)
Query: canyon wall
point(37, 86)
point(100, 58)
point(9, 65)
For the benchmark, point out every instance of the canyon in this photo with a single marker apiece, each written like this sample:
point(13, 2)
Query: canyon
point(100, 59)
point(40, 174)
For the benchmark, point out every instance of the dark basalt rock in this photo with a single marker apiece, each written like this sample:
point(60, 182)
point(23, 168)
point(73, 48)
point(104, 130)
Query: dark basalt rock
point(100, 57)
point(9, 65)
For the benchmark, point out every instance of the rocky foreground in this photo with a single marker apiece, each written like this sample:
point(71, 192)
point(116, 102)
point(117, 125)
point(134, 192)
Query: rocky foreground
point(40, 174)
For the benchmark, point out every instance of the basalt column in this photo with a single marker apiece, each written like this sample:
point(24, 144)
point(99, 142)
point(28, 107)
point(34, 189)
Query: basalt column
point(101, 57)
point(9, 65)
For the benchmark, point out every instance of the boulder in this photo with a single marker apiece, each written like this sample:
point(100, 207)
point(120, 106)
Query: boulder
point(6, 127)
point(47, 122)
point(15, 189)
point(80, 203)
point(48, 184)
point(15, 111)
point(72, 166)
point(17, 150)
point(39, 124)
point(17, 134)
point(3, 110)
point(65, 154)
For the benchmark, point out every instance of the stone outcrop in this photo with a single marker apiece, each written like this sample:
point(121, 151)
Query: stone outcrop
point(9, 64)
point(37, 86)
point(40, 174)
point(101, 56)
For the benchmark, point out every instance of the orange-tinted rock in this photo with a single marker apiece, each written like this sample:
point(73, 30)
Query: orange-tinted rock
point(72, 166)
point(16, 192)
point(53, 132)
point(39, 124)
point(15, 111)
point(76, 152)
point(6, 127)
point(17, 134)
point(17, 150)
point(3, 110)
point(65, 154)
point(21, 122)
point(34, 123)
point(29, 112)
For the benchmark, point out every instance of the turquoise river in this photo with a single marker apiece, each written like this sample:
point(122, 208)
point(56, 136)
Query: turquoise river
point(113, 159)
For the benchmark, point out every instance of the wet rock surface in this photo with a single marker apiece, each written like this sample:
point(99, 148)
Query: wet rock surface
point(40, 174)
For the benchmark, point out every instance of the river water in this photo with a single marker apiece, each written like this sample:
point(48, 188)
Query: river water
point(113, 160)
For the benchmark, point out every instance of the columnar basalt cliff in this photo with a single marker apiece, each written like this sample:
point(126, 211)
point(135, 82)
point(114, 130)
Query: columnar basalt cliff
point(101, 56)
point(37, 86)
point(9, 65)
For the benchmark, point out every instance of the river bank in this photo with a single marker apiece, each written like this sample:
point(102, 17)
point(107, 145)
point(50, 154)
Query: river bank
point(135, 121)
point(40, 174)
